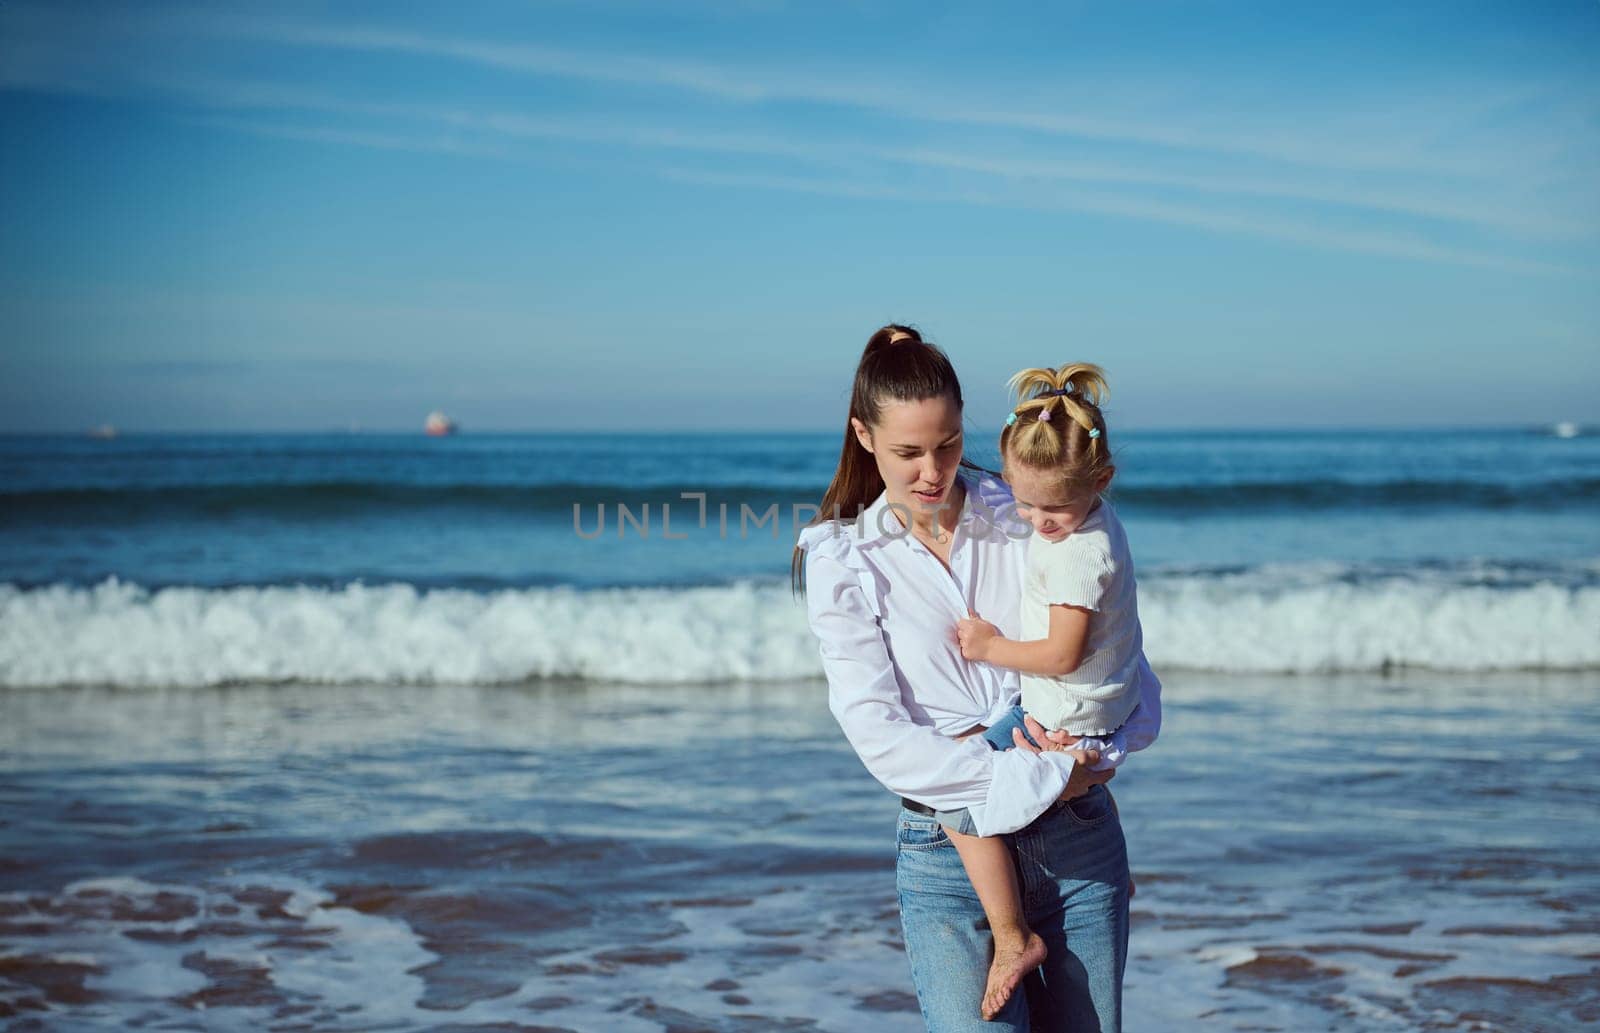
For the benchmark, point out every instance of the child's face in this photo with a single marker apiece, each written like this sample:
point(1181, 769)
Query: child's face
point(917, 446)
point(1042, 503)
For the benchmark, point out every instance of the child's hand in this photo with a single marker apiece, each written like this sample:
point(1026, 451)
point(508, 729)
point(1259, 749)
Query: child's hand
point(975, 635)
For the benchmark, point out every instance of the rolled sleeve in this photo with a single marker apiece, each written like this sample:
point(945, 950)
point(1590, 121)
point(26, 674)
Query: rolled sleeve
point(1002, 791)
point(1144, 724)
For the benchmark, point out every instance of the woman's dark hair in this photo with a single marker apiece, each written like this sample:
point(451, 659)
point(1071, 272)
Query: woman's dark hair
point(896, 366)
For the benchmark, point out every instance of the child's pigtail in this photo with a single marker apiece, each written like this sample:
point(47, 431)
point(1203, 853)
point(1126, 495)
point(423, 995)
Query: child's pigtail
point(1069, 437)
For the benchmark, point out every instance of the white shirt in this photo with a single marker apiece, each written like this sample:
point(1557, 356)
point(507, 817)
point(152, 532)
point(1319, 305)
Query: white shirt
point(884, 610)
point(1090, 568)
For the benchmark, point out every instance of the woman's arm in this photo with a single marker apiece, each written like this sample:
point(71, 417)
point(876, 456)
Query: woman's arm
point(1058, 654)
point(1002, 791)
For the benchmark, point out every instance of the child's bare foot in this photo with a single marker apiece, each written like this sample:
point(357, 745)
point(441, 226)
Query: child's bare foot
point(1011, 962)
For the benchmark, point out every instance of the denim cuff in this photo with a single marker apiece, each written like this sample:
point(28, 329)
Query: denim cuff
point(956, 821)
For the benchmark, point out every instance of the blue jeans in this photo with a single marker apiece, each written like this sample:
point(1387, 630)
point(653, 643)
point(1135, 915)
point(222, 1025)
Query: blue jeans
point(1073, 869)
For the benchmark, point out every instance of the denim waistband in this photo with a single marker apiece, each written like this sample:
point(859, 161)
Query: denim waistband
point(921, 808)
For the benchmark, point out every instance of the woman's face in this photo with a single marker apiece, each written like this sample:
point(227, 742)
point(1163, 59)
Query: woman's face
point(918, 448)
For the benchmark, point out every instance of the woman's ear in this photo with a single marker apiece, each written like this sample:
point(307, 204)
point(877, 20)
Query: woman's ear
point(863, 433)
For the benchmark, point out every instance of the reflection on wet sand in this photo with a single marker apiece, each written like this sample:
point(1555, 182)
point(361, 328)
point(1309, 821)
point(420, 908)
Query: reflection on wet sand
point(636, 858)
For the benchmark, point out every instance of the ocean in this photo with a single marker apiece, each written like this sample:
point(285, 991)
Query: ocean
point(360, 731)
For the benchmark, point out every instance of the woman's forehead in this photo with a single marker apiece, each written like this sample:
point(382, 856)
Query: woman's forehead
point(919, 421)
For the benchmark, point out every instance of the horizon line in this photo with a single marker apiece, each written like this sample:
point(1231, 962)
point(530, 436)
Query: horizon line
point(89, 433)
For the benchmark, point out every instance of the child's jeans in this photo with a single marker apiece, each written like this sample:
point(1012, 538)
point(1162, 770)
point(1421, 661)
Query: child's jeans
point(998, 736)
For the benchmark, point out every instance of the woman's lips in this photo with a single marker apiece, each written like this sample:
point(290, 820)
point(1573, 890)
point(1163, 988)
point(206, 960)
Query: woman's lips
point(930, 496)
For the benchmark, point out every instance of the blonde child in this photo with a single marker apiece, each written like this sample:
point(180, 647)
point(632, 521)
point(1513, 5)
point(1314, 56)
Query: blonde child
point(1081, 655)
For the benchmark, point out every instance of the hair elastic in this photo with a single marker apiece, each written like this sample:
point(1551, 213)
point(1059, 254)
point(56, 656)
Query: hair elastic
point(1094, 432)
point(1044, 414)
point(1011, 419)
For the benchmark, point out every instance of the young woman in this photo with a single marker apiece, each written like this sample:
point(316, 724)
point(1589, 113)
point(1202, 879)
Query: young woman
point(909, 542)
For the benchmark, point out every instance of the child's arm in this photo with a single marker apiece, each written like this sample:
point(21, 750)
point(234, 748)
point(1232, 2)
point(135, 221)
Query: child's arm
point(1057, 655)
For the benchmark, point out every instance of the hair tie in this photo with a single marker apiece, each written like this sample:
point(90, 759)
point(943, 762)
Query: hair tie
point(1094, 432)
point(1060, 392)
point(1011, 419)
point(1044, 414)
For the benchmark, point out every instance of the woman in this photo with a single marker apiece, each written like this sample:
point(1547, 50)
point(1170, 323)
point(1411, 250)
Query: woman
point(936, 539)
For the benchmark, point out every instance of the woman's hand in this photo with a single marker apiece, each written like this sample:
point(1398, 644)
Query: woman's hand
point(1082, 779)
point(974, 634)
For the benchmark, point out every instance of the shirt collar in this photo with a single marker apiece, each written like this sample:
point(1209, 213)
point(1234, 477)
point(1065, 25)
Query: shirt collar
point(879, 524)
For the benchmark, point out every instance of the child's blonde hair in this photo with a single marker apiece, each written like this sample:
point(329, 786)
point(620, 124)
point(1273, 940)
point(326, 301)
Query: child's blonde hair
point(1057, 427)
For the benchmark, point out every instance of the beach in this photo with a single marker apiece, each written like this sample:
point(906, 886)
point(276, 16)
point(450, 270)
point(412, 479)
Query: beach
point(344, 732)
point(409, 415)
point(587, 857)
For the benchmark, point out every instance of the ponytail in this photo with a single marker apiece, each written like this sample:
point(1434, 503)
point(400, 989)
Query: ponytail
point(896, 366)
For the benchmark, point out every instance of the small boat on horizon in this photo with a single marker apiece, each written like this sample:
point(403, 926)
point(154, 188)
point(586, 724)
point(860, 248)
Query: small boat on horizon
point(439, 425)
point(1565, 429)
point(104, 432)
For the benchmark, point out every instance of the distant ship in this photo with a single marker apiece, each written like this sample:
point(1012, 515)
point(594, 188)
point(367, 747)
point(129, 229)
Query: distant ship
point(1565, 429)
point(104, 432)
point(439, 425)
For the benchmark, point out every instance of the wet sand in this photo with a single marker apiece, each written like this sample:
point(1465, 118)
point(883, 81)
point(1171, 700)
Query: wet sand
point(1312, 853)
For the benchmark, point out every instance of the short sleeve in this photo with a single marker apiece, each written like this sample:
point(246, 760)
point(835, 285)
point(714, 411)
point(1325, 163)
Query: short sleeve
point(1076, 571)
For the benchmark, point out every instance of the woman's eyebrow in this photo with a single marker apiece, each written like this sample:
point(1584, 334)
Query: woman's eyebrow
point(918, 448)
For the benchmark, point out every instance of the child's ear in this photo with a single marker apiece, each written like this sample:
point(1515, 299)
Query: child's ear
point(863, 433)
point(1104, 480)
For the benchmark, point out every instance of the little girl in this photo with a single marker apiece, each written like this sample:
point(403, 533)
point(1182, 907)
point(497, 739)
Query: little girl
point(1082, 655)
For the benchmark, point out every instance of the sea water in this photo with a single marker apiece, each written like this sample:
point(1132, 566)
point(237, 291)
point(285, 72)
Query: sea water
point(500, 559)
point(368, 732)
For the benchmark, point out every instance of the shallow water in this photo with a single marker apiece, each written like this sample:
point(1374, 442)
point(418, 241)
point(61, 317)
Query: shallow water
point(1313, 853)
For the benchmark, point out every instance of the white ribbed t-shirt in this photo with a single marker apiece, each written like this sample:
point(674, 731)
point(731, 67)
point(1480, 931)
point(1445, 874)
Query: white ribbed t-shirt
point(1093, 569)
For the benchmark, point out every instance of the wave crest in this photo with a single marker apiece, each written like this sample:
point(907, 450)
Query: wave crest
point(1290, 620)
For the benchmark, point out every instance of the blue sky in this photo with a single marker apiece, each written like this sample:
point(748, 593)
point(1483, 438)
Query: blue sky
point(623, 214)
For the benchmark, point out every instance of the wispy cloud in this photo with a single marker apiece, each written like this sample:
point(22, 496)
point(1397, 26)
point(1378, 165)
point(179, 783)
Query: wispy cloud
point(1270, 169)
point(1363, 242)
point(1296, 189)
point(1011, 174)
point(350, 137)
point(235, 367)
point(1348, 148)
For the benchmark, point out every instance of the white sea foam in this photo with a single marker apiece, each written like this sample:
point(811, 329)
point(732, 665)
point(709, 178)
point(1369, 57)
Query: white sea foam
point(1294, 620)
